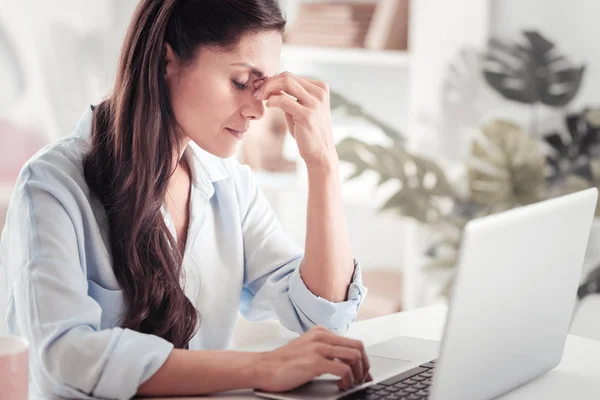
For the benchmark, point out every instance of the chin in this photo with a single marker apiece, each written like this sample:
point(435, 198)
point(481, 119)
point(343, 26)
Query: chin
point(224, 152)
point(229, 154)
point(219, 148)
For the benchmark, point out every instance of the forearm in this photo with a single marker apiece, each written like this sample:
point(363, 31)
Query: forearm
point(202, 372)
point(328, 265)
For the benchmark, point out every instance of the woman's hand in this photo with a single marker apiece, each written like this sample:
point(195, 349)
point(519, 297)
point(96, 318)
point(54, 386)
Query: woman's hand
point(305, 103)
point(315, 353)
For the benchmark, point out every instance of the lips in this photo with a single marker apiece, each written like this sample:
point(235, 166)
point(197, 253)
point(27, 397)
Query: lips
point(237, 132)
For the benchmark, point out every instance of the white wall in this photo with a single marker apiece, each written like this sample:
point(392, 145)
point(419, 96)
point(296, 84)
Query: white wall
point(68, 50)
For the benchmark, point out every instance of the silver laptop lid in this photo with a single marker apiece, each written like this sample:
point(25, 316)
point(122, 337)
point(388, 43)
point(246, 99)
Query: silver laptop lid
point(513, 297)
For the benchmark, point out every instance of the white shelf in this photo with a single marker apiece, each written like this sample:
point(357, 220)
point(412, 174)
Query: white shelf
point(345, 55)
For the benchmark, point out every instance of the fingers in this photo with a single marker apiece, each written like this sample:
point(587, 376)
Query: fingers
point(358, 346)
point(350, 356)
point(322, 335)
point(286, 83)
point(338, 369)
point(278, 99)
point(290, 123)
point(294, 84)
point(318, 89)
point(337, 340)
point(288, 105)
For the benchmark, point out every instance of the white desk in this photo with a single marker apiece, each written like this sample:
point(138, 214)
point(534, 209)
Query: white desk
point(577, 376)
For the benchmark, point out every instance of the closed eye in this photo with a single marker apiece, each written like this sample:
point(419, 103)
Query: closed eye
point(240, 86)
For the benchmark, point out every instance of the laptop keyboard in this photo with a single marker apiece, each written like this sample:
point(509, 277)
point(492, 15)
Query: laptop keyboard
point(409, 385)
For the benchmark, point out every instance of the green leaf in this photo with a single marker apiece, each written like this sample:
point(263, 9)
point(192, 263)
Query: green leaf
point(595, 168)
point(409, 204)
point(452, 242)
point(532, 73)
point(593, 117)
point(441, 263)
point(423, 184)
point(506, 168)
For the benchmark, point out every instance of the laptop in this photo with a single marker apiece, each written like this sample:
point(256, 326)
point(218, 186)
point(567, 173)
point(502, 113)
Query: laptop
point(508, 316)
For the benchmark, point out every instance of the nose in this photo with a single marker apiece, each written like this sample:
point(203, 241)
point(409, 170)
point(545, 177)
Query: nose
point(253, 108)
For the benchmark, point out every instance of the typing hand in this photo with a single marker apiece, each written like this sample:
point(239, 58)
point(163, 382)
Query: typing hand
point(315, 353)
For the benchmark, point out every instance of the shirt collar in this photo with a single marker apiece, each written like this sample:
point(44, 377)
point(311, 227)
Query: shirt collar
point(202, 160)
point(206, 167)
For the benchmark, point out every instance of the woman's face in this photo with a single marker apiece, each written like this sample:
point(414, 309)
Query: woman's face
point(212, 96)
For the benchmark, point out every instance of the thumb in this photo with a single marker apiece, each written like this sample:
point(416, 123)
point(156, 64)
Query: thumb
point(290, 123)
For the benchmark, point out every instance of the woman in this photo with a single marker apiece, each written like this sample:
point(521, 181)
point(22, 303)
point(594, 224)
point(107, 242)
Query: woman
point(133, 243)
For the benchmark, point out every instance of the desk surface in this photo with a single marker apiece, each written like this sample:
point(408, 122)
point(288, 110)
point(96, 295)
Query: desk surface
point(577, 376)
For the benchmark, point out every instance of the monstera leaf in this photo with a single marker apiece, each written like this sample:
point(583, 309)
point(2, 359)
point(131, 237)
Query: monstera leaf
point(423, 184)
point(534, 72)
point(573, 153)
point(355, 110)
point(507, 168)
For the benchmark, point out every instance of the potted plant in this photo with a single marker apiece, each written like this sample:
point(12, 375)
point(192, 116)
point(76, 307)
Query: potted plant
point(508, 165)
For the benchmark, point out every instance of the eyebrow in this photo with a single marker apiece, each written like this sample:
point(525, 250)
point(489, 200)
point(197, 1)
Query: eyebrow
point(255, 71)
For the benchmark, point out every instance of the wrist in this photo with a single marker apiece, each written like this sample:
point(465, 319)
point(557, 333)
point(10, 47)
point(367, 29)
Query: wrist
point(324, 164)
point(258, 368)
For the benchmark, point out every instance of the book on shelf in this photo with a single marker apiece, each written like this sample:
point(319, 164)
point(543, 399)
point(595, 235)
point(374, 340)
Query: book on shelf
point(335, 24)
point(325, 42)
point(388, 29)
point(338, 9)
point(376, 25)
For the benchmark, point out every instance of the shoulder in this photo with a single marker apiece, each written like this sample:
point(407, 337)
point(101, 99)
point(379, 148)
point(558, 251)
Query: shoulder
point(57, 171)
point(58, 162)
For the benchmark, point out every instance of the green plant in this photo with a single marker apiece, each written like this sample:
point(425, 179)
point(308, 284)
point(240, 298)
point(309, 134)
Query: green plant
point(532, 73)
point(508, 166)
point(574, 158)
point(506, 169)
point(573, 153)
point(337, 101)
point(423, 186)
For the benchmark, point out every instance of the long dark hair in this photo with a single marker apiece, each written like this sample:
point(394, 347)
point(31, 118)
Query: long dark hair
point(134, 135)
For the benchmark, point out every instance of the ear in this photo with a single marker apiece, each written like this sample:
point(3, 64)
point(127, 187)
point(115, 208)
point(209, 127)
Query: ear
point(171, 62)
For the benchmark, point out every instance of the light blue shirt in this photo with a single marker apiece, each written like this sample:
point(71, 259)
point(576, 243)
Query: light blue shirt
point(64, 297)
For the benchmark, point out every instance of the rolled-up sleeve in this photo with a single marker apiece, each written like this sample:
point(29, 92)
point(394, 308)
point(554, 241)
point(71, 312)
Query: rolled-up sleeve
point(314, 310)
point(273, 286)
point(71, 355)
